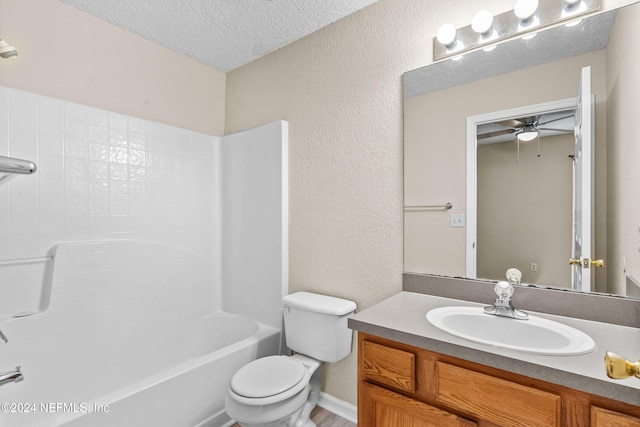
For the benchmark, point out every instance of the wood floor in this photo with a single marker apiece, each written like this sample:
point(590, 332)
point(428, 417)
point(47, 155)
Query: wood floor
point(324, 418)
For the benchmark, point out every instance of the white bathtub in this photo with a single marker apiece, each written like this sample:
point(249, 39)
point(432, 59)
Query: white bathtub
point(174, 377)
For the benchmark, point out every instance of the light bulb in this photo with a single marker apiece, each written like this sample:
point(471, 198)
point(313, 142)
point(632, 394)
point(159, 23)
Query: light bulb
point(482, 22)
point(446, 34)
point(525, 9)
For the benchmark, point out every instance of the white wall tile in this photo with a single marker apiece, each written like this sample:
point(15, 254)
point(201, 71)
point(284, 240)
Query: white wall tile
point(4, 121)
point(76, 205)
point(23, 203)
point(52, 224)
point(22, 124)
point(100, 176)
point(25, 225)
point(76, 167)
point(97, 117)
point(50, 165)
point(51, 204)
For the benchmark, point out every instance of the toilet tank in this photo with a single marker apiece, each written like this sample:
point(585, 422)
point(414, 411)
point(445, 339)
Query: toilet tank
point(316, 325)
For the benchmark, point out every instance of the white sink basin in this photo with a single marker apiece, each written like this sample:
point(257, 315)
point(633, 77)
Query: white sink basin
point(535, 335)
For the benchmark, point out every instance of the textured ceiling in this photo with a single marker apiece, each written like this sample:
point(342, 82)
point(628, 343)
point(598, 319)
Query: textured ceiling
point(224, 34)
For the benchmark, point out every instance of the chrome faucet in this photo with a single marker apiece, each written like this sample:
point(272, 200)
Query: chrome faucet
point(11, 376)
point(504, 291)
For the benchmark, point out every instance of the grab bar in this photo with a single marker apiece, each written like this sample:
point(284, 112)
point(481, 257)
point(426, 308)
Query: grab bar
point(12, 165)
point(20, 261)
point(445, 207)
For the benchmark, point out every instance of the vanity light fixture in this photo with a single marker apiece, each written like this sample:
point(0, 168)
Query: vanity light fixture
point(527, 18)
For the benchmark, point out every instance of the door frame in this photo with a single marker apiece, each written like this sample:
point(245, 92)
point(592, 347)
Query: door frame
point(471, 229)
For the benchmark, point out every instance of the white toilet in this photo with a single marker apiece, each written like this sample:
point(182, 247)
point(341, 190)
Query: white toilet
point(283, 390)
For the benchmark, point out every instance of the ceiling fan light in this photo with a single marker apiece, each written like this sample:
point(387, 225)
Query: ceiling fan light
point(527, 136)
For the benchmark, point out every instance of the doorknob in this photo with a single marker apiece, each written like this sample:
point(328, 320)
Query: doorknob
point(587, 262)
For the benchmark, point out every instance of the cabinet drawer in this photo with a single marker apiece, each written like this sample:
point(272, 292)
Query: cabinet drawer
point(606, 418)
point(496, 400)
point(389, 366)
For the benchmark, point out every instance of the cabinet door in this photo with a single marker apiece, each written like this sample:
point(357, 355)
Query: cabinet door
point(383, 408)
point(606, 418)
point(502, 402)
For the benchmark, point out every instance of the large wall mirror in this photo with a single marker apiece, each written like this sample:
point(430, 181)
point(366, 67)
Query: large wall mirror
point(480, 200)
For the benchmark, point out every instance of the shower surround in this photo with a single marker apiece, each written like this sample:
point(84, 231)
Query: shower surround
point(127, 251)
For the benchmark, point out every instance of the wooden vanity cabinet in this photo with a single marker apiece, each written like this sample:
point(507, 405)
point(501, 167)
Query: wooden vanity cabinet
point(404, 386)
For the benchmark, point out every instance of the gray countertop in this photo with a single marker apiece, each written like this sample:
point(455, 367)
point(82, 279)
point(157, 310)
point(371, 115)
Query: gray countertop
point(402, 318)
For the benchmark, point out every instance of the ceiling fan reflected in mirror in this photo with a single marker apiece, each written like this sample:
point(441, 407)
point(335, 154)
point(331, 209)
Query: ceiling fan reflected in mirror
point(526, 129)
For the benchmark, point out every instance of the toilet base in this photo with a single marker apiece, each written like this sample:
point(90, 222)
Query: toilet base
point(289, 421)
point(314, 396)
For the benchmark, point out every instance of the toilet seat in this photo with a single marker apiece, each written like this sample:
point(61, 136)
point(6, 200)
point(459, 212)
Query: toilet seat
point(268, 380)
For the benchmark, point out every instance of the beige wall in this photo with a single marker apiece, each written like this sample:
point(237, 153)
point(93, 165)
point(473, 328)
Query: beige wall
point(623, 116)
point(341, 90)
point(435, 147)
point(70, 55)
point(525, 209)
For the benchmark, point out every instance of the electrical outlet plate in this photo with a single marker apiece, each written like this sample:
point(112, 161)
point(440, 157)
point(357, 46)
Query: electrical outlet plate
point(457, 220)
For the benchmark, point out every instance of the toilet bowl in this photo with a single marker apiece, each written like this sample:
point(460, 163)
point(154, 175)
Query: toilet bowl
point(281, 391)
point(274, 391)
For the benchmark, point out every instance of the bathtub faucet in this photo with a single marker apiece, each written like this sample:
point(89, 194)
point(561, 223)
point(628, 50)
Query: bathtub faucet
point(11, 376)
point(3, 337)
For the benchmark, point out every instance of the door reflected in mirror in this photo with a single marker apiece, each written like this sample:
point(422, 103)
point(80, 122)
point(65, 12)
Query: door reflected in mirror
point(524, 200)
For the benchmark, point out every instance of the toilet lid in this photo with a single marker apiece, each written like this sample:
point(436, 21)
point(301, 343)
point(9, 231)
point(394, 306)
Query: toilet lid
point(267, 376)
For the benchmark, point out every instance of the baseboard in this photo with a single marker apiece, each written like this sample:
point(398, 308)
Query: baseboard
point(339, 407)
